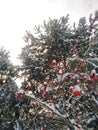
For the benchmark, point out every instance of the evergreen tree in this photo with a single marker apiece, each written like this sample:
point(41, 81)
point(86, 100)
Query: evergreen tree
point(7, 91)
point(60, 67)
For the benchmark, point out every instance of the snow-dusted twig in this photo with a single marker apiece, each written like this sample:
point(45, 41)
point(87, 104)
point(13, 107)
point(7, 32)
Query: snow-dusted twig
point(25, 67)
point(68, 74)
point(89, 60)
point(74, 58)
point(93, 59)
point(65, 75)
point(90, 45)
point(95, 66)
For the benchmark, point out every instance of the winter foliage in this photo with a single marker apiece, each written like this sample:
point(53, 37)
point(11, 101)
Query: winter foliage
point(60, 78)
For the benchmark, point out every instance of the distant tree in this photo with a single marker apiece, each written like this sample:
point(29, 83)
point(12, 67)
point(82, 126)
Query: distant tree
point(8, 99)
point(6, 67)
point(60, 67)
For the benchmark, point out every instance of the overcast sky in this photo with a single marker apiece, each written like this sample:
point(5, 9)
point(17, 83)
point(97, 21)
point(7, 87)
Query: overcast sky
point(16, 16)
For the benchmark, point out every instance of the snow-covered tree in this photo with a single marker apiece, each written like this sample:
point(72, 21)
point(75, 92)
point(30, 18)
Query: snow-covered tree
point(60, 66)
point(8, 98)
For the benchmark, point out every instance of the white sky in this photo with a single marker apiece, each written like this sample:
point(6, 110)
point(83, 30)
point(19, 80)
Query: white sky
point(16, 16)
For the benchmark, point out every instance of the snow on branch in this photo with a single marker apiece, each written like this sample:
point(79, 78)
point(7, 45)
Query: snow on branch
point(93, 59)
point(46, 105)
point(88, 49)
point(25, 67)
point(68, 74)
point(74, 58)
point(65, 75)
point(95, 66)
point(89, 60)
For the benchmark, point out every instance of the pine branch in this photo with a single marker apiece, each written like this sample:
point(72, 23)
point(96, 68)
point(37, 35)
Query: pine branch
point(44, 104)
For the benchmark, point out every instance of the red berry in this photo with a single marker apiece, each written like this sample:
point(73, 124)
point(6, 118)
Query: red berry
point(29, 87)
point(93, 77)
point(77, 42)
point(78, 82)
point(41, 91)
point(44, 128)
point(71, 88)
point(34, 104)
point(76, 93)
point(89, 86)
point(53, 63)
point(45, 84)
point(84, 77)
point(74, 70)
point(19, 96)
point(79, 114)
point(33, 115)
point(79, 127)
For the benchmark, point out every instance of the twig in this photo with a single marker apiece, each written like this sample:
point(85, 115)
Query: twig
point(95, 66)
point(88, 49)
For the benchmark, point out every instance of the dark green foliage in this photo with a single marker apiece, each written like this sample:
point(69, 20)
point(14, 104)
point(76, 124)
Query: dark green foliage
point(76, 48)
point(8, 87)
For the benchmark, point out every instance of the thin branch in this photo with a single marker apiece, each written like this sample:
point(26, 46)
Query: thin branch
point(95, 66)
point(26, 67)
point(88, 49)
point(93, 59)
